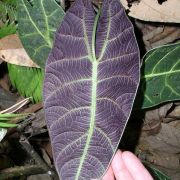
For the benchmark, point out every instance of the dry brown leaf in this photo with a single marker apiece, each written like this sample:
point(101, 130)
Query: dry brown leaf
point(17, 57)
point(10, 42)
point(167, 140)
point(158, 114)
point(153, 119)
point(175, 124)
point(169, 34)
point(162, 159)
point(175, 113)
point(151, 10)
point(12, 51)
point(4, 82)
point(155, 34)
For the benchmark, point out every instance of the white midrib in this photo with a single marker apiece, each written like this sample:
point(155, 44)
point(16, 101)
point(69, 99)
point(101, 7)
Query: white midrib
point(92, 116)
point(160, 74)
point(92, 58)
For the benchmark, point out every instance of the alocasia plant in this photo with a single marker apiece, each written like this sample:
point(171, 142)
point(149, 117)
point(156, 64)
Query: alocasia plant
point(37, 23)
point(91, 79)
point(160, 80)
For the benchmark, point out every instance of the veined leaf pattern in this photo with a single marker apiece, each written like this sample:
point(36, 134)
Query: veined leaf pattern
point(160, 81)
point(92, 75)
point(37, 23)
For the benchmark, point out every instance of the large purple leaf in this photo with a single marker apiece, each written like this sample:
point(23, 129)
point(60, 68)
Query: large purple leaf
point(92, 75)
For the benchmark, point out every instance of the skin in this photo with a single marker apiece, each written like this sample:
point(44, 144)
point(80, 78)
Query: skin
point(126, 166)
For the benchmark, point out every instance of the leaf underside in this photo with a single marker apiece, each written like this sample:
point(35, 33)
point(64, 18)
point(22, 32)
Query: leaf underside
point(37, 23)
point(160, 81)
point(28, 81)
point(91, 79)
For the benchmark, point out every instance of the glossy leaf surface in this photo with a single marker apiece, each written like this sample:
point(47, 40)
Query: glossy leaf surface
point(160, 81)
point(91, 79)
point(37, 23)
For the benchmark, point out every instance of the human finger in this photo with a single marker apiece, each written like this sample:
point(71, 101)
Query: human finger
point(135, 167)
point(119, 168)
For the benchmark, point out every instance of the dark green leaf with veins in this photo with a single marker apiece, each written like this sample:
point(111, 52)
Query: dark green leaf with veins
point(37, 23)
point(160, 81)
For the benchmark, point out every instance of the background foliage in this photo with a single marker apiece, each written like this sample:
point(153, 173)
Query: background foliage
point(160, 76)
point(28, 81)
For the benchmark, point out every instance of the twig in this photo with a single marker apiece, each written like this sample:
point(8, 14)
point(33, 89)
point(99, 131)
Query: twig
point(26, 122)
point(19, 129)
point(34, 108)
point(16, 106)
point(40, 167)
point(30, 150)
point(21, 170)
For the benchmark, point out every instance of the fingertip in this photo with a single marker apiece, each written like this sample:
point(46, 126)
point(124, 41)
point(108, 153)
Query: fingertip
point(127, 155)
point(119, 168)
point(117, 157)
point(117, 162)
point(134, 165)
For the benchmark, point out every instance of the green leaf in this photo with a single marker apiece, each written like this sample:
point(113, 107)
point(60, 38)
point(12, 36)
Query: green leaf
point(9, 116)
point(7, 29)
point(37, 23)
point(8, 10)
point(157, 174)
point(7, 17)
point(160, 80)
point(28, 81)
point(7, 125)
